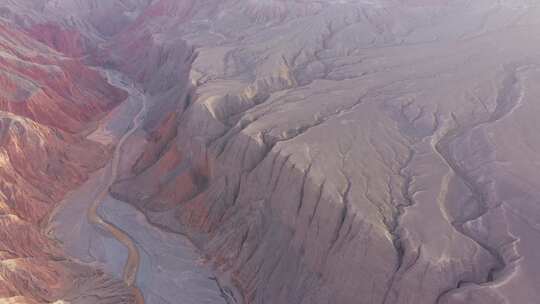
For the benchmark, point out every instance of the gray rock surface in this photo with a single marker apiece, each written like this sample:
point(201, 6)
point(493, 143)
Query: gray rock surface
point(358, 152)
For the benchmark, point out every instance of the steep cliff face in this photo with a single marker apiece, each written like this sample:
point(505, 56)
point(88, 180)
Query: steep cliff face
point(347, 151)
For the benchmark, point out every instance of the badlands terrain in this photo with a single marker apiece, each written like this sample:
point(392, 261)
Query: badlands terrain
point(270, 151)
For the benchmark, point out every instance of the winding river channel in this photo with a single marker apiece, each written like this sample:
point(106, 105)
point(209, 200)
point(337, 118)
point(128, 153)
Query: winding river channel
point(162, 267)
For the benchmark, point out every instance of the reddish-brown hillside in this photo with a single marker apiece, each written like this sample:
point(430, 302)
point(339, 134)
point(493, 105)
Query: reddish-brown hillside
point(47, 98)
point(46, 86)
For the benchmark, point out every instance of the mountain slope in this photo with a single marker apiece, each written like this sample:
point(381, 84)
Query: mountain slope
point(46, 99)
point(346, 152)
point(316, 151)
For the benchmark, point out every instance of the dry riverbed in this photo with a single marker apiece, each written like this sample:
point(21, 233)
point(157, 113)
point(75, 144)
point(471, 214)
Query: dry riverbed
point(97, 229)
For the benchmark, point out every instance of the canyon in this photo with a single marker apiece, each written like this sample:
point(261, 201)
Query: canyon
point(269, 151)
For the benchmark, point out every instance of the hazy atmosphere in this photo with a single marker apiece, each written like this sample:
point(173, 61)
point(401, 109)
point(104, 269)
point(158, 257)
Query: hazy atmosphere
point(269, 152)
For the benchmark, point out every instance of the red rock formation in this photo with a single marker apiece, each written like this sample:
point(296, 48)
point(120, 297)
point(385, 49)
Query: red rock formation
point(159, 142)
point(66, 41)
point(40, 164)
point(48, 87)
point(46, 98)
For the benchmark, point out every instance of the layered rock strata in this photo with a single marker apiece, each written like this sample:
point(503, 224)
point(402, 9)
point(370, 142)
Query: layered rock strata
point(47, 100)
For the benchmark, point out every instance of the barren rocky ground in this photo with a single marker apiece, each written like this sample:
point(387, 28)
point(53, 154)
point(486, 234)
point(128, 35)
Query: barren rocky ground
point(270, 151)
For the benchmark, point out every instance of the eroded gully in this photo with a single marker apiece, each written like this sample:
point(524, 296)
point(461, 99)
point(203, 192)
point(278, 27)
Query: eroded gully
point(507, 100)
